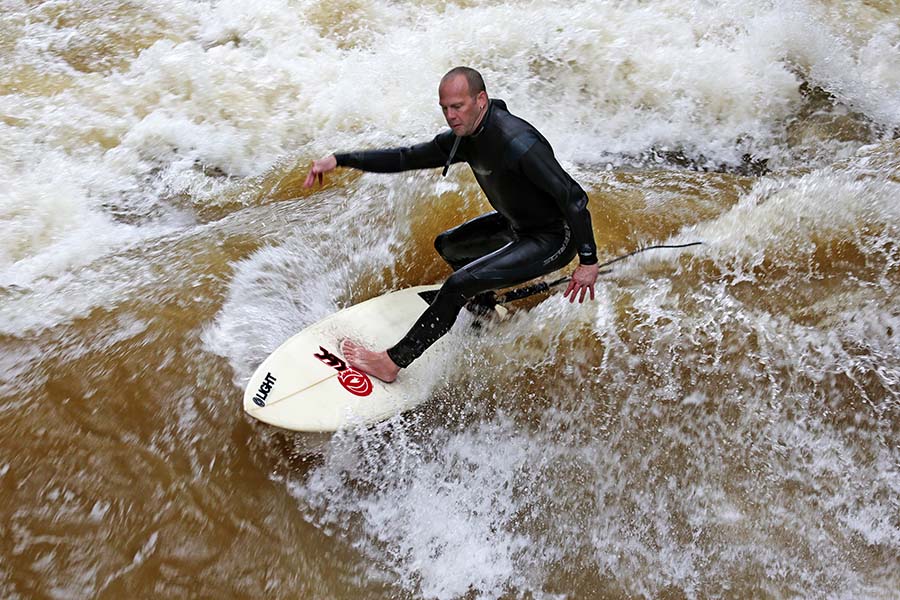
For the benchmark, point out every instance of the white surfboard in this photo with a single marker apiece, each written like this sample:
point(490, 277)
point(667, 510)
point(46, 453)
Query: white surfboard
point(307, 385)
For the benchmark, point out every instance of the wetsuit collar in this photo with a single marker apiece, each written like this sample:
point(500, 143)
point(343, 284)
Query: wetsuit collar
point(484, 120)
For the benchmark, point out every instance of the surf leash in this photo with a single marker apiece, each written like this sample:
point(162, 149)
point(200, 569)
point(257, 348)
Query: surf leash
point(537, 288)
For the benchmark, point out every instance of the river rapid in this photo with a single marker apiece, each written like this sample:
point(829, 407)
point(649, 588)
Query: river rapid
point(722, 421)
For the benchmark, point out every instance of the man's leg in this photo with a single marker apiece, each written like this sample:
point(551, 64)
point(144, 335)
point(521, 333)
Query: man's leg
point(459, 246)
point(521, 260)
point(473, 239)
point(470, 241)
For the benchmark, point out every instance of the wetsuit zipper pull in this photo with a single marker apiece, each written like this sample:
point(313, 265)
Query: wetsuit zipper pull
point(450, 158)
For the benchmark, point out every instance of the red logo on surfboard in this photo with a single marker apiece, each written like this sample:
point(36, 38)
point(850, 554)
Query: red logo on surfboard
point(355, 382)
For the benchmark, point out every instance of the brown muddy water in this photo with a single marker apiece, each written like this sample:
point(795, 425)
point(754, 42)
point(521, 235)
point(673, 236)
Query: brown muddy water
point(721, 422)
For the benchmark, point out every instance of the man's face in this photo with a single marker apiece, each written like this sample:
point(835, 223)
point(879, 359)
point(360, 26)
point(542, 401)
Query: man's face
point(461, 110)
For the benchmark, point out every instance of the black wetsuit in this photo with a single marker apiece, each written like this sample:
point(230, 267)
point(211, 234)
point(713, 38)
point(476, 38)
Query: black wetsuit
point(541, 219)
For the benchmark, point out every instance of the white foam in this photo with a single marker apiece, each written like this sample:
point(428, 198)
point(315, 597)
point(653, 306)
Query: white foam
point(786, 216)
point(453, 514)
point(53, 225)
point(232, 88)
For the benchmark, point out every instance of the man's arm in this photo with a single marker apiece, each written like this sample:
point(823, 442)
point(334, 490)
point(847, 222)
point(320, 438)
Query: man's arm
point(542, 169)
point(427, 155)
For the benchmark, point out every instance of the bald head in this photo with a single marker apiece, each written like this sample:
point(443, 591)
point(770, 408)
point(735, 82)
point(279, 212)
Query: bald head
point(473, 79)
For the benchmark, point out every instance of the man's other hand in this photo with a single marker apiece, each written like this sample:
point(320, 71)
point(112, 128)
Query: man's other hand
point(318, 169)
point(583, 280)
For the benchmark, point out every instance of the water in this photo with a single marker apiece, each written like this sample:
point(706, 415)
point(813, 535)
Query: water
point(722, 422)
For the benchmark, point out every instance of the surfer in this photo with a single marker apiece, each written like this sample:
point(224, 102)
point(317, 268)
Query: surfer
point(540, 223)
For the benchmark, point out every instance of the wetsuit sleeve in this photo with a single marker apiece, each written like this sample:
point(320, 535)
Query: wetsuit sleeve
point(542, 169)
point(428, 155)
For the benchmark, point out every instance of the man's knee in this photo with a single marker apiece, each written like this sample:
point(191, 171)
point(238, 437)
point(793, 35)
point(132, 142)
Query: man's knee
point(440, 243)
point(461, 286)
point(448, 247)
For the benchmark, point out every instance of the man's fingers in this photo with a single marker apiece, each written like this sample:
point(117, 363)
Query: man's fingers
point(311, 176)
point(316, 172)
point(579, 290)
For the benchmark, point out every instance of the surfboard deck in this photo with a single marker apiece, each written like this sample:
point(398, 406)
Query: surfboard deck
point(307, 385)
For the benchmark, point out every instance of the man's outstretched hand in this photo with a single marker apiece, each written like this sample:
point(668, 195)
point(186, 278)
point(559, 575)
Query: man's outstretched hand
point(583, 279)
point(318, 169)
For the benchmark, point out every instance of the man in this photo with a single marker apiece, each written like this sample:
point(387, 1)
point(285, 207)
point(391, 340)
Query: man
point(541, 219)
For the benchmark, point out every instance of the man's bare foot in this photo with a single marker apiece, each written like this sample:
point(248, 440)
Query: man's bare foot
point(378, 364)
